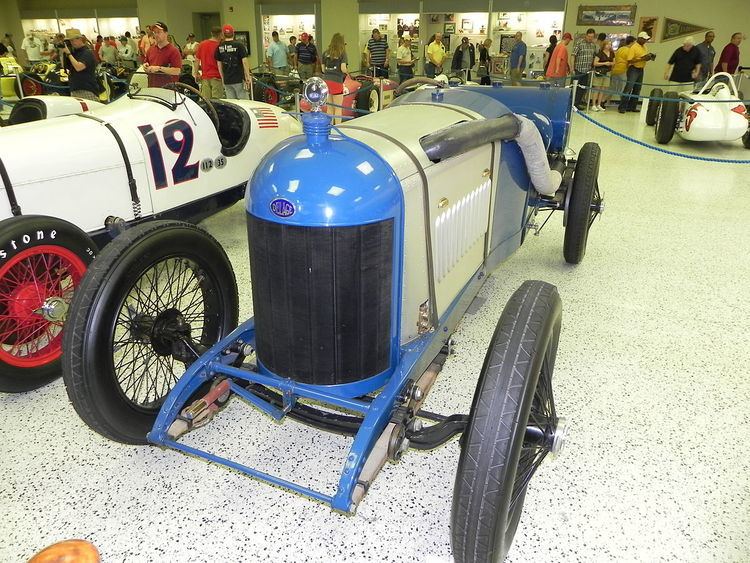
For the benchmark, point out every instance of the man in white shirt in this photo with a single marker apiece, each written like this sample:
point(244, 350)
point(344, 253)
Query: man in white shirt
point(188, 50)
point(33, 47)
point(125, 53)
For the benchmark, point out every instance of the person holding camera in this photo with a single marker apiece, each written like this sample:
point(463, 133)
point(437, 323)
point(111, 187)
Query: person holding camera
point(638, 56)
point(80, 64)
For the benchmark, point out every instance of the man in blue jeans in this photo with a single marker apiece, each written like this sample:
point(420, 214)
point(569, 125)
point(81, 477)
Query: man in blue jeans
point(638, 56)
point(583, 61)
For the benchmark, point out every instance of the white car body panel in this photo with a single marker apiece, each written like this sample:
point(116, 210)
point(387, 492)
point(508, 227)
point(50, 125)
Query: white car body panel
point(713, 120)
point(85, 179)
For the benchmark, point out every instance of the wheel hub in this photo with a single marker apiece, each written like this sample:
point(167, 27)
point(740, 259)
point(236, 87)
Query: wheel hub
point(168, 328)
point(560, 436)
point(24, 301)
point(54, 309)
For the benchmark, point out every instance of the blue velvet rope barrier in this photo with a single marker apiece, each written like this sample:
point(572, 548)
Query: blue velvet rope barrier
point(659, 99)
point(658, 149)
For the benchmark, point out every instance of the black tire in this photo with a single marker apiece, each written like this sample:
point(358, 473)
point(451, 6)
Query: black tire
point(514, 388)
point(37, 252)
point(363, 99)
point(666, 118)
point(147, 278)
point(653, 106)
point(578, 212)
point(746, 139)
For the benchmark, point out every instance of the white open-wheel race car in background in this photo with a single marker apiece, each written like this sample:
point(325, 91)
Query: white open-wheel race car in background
point(155, 153)
point(714, 113)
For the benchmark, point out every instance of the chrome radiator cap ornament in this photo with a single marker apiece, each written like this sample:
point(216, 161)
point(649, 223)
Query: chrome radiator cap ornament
point(315, 92)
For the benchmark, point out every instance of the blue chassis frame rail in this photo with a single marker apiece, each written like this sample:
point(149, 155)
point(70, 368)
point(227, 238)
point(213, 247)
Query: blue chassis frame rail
point(416, 357)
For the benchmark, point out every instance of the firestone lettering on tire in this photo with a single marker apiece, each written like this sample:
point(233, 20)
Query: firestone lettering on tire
point(24, 240)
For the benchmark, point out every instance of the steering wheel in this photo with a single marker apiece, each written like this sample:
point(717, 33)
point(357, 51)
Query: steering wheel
point(197, 97)
point(416, 81)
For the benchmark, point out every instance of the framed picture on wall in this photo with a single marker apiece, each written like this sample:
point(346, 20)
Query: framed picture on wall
point(620, 16)
point(467, 26)
point(449, 28)
point(244, 38)
point(649, 25)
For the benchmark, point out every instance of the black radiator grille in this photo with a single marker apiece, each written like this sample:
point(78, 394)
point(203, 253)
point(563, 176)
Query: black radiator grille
point(322, 299)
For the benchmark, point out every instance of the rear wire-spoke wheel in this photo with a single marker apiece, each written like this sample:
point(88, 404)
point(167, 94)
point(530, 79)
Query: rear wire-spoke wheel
point(42, 262)
point(584, 203)
point(156, 297)
point(513, 426)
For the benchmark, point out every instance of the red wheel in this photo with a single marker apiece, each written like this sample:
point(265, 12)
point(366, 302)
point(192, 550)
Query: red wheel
point(271, 96)
point(29, 86)
point(42, 262)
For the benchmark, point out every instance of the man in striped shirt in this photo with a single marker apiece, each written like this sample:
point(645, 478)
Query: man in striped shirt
point(378, 54)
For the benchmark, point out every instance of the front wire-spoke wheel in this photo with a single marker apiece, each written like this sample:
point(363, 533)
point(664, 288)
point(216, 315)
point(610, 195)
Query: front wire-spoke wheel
point(158, 295)
point(513, 426)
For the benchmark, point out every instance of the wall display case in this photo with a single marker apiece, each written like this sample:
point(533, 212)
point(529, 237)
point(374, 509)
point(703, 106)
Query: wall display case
point(537, 27)
point(288, 26)
point(90, 27)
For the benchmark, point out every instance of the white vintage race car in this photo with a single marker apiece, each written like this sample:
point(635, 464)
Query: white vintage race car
point(715, 113)
point(158, 153)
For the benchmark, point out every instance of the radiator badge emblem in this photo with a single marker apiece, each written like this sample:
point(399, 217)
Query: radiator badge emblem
point(282, 207)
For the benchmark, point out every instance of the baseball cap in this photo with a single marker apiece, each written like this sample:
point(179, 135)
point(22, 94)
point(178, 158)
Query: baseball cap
point(227, 30)
point(304, 36)
point(643, 35)
point(161, 25)
point(567, 35)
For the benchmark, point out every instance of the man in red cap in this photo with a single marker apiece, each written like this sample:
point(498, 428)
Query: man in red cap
point(163, 60)
point(307, 57)
point(559, 62)
point(232, 60)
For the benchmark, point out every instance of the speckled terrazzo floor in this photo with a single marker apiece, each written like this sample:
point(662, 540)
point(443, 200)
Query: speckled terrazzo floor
point(652, 371)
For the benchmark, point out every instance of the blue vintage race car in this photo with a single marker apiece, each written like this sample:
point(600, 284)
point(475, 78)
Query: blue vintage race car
point(366, 246)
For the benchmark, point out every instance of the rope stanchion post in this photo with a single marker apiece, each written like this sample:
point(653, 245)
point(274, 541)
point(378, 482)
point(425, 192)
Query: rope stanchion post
point(252, 87)
point(296, 102)
point(588, 89)
point(20, 87)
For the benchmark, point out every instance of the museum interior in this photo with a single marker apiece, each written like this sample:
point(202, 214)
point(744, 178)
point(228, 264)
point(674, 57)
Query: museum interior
point(512, 189)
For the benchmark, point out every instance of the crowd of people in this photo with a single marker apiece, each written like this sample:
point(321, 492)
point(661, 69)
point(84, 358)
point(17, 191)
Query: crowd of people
point(609, 73)
point(220, 66)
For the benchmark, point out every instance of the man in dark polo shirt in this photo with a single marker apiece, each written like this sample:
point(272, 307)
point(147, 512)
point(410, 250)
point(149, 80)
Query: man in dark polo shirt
point(378, 54)
point(163, 60)
point(231, 57)
point(306, 57)
point(81, 66)
point(685, 63)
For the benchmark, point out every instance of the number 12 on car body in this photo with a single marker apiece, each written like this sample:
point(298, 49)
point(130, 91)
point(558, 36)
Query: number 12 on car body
point(179, 137)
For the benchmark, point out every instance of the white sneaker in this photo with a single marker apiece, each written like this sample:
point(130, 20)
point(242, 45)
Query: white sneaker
point(602, 108)
point(595, 108)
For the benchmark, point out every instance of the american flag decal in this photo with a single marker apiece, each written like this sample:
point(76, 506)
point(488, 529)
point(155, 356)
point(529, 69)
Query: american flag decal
point(266, 118)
